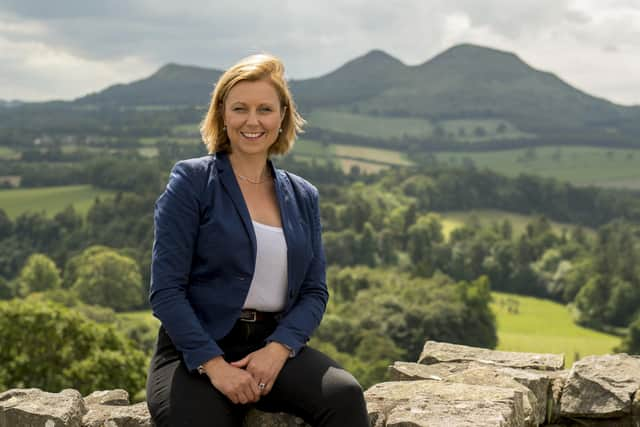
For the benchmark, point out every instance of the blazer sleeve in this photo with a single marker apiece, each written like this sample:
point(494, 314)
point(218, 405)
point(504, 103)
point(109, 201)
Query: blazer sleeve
point(177, 220)
point(296, 327)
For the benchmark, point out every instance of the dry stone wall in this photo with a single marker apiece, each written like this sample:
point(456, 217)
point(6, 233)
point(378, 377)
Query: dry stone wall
point(450, 385)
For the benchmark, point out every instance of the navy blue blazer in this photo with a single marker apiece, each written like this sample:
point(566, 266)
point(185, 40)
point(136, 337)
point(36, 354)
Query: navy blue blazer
point(204, 254)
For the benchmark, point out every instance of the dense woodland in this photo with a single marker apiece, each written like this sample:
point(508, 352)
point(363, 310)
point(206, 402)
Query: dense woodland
point(395, 278)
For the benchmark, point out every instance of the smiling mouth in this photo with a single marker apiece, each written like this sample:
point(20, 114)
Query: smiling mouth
point(252, 135)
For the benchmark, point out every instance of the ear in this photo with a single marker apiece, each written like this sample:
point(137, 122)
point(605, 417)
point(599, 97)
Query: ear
point(284, 110)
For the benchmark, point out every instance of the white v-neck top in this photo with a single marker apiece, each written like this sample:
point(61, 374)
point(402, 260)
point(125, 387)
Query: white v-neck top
point(268, 290)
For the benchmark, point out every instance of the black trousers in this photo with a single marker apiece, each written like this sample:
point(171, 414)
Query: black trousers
point(310, 385)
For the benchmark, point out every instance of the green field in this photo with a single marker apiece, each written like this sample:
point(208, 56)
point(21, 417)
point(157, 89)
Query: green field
point(374, 154)
point(369, 160)
point(604, 167)
point(7, 153)
point(456, 219)
point(153, 140)
point(370, 126)
point(540, 326)
point(381, 127)
point(189, 129)
point(50, 199)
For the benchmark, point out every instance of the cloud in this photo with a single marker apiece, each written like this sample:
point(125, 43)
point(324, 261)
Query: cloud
point(116, 40)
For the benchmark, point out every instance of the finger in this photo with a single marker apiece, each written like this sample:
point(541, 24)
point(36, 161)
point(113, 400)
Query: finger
point(233, 398)
point(241, 363)
point(243, 398)
point(255, 387)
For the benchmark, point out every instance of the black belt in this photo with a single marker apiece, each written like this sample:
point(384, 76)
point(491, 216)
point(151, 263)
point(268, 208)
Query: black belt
point(249, 315)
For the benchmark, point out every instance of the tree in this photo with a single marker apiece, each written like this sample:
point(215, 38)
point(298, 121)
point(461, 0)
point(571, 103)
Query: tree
point(6, 291)
point(424, 236)
point(48, 346)
point(6, 225)
point(38, 274)
point(631, 343)
point(109, 279)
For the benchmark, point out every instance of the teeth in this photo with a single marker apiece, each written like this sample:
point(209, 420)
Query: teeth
point(252, 135)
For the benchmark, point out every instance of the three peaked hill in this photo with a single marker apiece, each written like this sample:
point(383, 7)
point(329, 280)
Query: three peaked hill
point(465, 82)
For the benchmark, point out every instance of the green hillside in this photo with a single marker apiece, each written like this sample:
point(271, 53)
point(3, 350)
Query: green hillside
point(540, 326)
point(171, 85)
point(603, 167)
point(49, 199)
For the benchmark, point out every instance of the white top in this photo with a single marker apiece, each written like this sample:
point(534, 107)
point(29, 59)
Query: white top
point(268, 290)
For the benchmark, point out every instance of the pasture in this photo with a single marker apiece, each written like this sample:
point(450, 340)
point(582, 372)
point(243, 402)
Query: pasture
point(603, 167)
point(7, 153)
point(540, 326)
point(396, 128)
point(50, 199)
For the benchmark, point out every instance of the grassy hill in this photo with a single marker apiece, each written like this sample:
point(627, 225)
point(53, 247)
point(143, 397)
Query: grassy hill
point(603, 167)
point(50, 199)
point(535, 325)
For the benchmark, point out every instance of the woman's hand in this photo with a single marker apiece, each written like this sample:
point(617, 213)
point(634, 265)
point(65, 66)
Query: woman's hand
point(264, 364)
point(235, 383)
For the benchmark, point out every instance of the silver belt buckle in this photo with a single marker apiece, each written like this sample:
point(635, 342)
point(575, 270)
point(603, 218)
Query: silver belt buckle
point(248, 316)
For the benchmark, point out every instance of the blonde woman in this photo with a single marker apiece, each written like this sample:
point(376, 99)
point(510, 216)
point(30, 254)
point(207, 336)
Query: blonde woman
point(238, 272)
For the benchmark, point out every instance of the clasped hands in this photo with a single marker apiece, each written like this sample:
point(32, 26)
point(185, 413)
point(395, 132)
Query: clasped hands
point(245, 380)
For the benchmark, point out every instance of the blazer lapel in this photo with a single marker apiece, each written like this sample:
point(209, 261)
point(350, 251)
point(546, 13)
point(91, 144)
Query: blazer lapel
point(285, 202)
point(230, 184)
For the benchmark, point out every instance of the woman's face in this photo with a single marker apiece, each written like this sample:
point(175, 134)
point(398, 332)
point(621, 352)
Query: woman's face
point(252, 115)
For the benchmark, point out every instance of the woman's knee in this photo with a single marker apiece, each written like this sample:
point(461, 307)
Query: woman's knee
point(340, 389)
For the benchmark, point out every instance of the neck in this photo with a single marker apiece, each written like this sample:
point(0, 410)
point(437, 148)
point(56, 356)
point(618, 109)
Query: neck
point(253, 167)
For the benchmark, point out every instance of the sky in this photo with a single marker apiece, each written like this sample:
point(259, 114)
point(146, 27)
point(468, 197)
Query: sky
point(64, 49)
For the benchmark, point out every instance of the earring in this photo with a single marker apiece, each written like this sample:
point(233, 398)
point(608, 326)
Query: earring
point(280, 130)
point(224, 128)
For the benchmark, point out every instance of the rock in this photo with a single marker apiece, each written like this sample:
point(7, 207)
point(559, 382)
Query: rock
point(533, 384)
point(117, 416)
point(257, 418)
point(437, 352)
point(443, 403)
point(116, 397)
point(37, 408)
point(407, 371)
point(534, 404)
point(601, 387)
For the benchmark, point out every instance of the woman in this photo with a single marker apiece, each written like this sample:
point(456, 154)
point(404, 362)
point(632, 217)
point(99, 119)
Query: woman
point(238, 272)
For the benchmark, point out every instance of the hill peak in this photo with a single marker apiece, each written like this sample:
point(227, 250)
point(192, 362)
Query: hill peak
point(374, 57)
point(173, 71)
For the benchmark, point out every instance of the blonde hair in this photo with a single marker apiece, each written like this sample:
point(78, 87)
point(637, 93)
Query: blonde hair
point(252, 68)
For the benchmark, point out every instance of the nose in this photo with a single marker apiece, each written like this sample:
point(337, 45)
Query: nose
point(252, 118)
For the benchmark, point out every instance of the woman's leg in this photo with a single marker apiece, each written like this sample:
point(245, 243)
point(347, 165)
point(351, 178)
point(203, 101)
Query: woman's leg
point(176, 397)
point(316, 388)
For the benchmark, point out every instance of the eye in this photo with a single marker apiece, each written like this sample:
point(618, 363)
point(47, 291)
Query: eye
point(238, 109)
point(266, 109)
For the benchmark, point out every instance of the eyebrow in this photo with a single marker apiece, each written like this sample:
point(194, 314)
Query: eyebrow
point(262, 104)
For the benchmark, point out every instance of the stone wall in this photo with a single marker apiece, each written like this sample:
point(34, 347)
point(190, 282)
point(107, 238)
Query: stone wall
point(450, 385)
